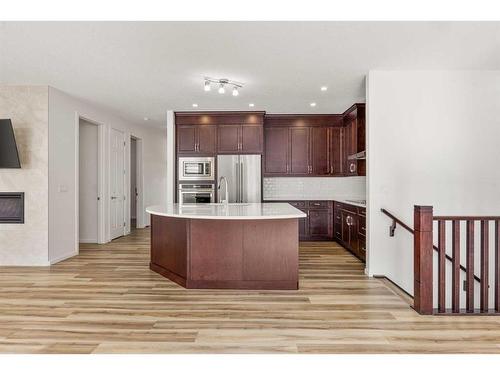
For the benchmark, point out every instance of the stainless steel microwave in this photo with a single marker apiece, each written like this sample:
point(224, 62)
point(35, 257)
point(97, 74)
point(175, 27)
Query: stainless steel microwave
point(196, 168)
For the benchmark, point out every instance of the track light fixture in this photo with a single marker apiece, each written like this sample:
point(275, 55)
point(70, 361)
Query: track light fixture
point(222, 83)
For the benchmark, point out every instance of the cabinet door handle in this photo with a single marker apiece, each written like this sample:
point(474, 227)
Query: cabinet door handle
point(352, 167)
point(331, 169)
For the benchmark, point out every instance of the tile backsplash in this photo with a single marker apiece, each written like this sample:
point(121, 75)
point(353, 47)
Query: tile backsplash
point(309, 188)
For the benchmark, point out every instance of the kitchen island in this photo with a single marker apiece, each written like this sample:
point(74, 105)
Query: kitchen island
point(226, 246)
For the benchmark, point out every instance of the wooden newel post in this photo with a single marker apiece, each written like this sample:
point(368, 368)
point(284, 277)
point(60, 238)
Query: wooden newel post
point(422, 260)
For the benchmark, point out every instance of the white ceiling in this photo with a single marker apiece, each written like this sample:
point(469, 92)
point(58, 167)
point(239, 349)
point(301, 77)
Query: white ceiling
point(140, 69)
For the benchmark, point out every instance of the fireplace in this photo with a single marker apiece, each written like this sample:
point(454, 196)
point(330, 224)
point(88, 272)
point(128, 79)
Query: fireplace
point(12, 208)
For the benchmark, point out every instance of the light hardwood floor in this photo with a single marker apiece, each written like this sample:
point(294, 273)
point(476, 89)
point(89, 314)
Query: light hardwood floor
point(106, 300)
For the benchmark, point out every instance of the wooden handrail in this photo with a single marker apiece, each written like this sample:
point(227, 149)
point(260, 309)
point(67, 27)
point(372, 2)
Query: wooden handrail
point(409, 229)
point(397, 221)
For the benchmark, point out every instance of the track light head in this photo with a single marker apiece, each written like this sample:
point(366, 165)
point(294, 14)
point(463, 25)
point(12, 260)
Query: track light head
point(207, 86)
point(221, 90)
point(235, 91)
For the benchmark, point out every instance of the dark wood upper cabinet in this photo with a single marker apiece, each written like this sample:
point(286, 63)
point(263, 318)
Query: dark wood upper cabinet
point(354, 139)
point(276, 150)
point(196, 139)
point(206, 139)
point(299, 151)
point(240, 139)
point(350, 146)
point(320, 151)
point(219, 132)
point(315, 145)
point(251, 139)
point(336, 151)
point(186, 139)
point(228, 139)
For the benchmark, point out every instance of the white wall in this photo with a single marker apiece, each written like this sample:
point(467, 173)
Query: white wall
point(170, 156)
point(310, 188)
point(27, 107)
point(432, 139)
point(88, 189)
point(63, 130)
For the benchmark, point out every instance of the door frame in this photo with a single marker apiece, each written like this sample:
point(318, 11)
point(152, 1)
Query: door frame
point(139, 180)
point(125, 186)
point(101, 229)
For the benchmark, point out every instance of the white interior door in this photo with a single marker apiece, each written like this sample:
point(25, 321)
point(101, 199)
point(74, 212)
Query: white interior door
point(116, 185)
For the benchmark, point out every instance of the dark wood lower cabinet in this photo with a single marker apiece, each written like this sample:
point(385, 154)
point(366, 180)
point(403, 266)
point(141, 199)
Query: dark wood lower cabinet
point(329, 220)
point(318, 225)
point(350, 228)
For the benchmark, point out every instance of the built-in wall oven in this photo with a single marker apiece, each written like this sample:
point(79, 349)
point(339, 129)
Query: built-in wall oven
point(196, 193)
point(196, 168)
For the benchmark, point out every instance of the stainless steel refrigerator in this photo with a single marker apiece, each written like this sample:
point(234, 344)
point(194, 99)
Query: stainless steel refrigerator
point(243, 177)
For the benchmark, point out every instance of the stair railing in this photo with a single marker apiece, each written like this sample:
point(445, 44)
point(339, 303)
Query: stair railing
point(423, 261)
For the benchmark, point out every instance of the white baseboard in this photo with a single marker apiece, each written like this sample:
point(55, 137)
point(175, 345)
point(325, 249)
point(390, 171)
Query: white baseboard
point(61, 258)
point(85, 240)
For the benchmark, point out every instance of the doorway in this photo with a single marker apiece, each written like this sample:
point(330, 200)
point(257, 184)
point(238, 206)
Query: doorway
point(136, 201)
point(117, 184)
point(133, 183)
point(89, 218)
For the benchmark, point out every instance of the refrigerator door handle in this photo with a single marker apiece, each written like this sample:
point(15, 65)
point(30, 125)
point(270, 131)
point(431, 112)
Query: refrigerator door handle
point(242, 185)
point(237, 169)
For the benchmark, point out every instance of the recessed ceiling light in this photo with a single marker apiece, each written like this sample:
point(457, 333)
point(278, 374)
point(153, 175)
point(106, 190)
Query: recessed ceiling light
point(146, 118)
point(195, 105)
point(251, 105)
point(313, 104)
point(324, 88)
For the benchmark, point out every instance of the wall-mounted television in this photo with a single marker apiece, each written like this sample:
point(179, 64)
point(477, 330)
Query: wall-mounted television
point(9, 157)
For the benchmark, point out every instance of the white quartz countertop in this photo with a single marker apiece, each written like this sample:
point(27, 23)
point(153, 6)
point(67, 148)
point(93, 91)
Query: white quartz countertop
point(231, 211)
point(346, 200)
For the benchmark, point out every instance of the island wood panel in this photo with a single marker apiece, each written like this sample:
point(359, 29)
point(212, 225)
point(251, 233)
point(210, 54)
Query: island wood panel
point(216, 250)
point(270, 250)
point(169, 239)
point(227, 254)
